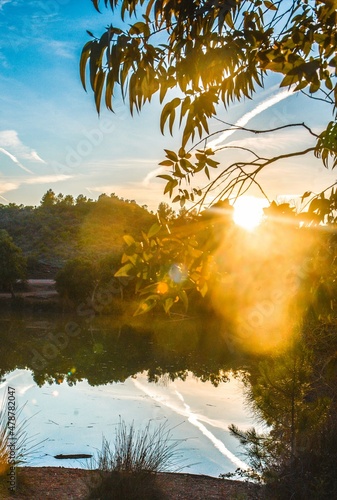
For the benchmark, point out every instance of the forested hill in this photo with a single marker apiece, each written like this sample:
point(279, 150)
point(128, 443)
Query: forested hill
point(61, 228)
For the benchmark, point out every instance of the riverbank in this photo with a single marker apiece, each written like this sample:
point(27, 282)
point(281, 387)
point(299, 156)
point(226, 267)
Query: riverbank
point(58, 483)
point(32, 294)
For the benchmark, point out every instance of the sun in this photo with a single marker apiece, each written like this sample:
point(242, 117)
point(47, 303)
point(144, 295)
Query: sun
point(248, 212)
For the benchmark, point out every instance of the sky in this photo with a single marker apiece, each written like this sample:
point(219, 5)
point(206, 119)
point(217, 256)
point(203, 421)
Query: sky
point(197, 414)
point(52, 138)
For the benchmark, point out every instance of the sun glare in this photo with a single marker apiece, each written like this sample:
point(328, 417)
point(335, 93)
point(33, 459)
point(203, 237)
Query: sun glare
point(248, 212)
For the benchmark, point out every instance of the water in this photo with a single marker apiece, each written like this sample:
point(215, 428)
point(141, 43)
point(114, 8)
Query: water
point(90, 381)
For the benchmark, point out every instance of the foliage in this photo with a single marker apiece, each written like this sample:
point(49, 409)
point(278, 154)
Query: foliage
point(176, 258)
point(207, 55)
point(12, 262)
point(110, 349)
point(61, 229)
point(77, 280)
point(128, 468)
point(84, 280)
point(199, 57)
point(292, 457)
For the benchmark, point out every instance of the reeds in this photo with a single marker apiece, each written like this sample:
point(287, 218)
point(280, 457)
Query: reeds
point(16, 446)
point(128, 467)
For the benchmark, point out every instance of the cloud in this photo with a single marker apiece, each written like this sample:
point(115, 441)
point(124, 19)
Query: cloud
point(13, 148)
point(8, 186)
point(43, 179)
point(60, 48)
point(9, 139)
point(148, 195)
point(15, 160)
point(36, 157)
point(152, 175)
point(3, 2)
point(274, 141)
point(263, 106)
point(47, 179)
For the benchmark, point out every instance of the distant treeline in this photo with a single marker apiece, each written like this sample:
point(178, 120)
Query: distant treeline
point(62, 228)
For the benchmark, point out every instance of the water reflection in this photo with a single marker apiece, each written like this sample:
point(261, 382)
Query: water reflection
point(106, 351)
point(78, 379)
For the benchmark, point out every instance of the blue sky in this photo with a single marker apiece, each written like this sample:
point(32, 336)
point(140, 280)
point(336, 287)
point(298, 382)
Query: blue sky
point(51, 136)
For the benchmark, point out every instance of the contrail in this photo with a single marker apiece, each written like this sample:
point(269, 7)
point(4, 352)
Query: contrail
point(15, 160)
point(284, 94)
point(36, 157)
point(192, 418)
point(151, 175)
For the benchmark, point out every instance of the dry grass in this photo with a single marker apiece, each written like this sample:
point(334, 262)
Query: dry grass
point(129, 466)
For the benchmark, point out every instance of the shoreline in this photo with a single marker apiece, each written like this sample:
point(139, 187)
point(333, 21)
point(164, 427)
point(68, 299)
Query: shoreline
point(62, 483)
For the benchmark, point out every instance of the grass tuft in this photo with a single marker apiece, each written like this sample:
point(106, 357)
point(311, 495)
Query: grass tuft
point(127, 469)
point(16, 446)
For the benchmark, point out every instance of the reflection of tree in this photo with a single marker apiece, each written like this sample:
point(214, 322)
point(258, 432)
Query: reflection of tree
point(111, 351)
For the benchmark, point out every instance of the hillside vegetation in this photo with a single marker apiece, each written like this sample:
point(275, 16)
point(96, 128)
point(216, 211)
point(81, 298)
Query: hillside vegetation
point(62, 228)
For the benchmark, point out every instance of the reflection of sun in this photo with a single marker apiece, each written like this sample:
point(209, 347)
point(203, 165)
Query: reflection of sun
point(248, 212)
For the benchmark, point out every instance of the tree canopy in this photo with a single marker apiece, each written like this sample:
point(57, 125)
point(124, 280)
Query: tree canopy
point(12, 262)
point(206, 54)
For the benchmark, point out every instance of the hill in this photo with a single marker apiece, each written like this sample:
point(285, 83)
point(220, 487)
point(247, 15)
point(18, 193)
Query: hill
point(62, 228)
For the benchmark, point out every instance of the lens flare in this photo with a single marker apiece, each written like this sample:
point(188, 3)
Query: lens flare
point(248, 212)
point(262, 292)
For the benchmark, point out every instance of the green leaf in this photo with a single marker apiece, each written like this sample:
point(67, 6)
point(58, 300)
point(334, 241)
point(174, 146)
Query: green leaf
point(212, 163)
point(98, 87)
point(183, 297)
point(145, 306)
point(229, 20)
point(269, 5)
point(154, 229)
point(289, 80)
point(166, 163)
point(128, 239)
point(124, 271)
point(305, 195)
point(168, 110)
point(168, 303)
point(140, 28)
point(301, 85)
point(171, 155)
point(83, 61)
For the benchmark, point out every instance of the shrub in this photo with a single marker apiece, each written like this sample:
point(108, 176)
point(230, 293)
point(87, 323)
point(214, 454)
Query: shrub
point(128, 468)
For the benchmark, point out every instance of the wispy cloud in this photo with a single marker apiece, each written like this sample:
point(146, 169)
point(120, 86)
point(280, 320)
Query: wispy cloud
point(269, 142)
point(12, 147)
point(10, 140)
point(46, 179)
point(5, 187)
point(15, 160)
point(60, 48)
point(263, 106)
point(152, 175)
point(148, 195)
point(8, 186)
point(3, 2)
